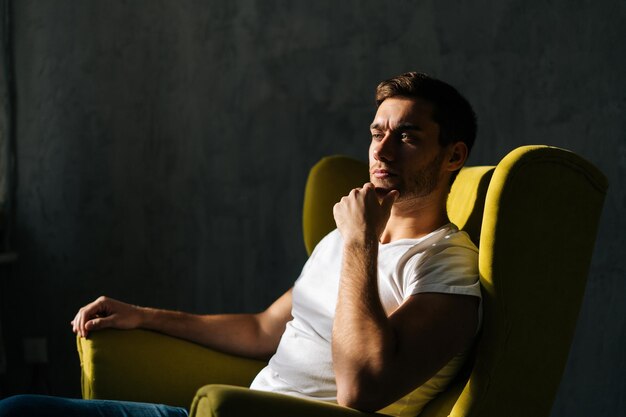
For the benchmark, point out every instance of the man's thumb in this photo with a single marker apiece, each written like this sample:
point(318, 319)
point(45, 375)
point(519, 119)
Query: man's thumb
point(99, 323)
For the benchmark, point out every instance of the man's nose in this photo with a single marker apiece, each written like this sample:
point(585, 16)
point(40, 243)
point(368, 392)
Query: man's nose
point(384, 150)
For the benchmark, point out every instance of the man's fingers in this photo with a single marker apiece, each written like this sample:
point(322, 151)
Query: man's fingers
point(83, 316)
point(78, 324)
point(75, 325)
point(94, 324)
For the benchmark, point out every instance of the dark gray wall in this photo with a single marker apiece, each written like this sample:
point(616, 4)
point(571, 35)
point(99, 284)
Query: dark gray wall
point(163, 146)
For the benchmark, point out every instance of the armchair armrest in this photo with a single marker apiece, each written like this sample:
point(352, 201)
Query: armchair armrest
point(140, 365)
point(229, 401)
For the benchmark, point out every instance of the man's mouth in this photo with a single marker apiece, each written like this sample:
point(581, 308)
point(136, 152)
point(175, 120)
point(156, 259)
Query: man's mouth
point(382, 173)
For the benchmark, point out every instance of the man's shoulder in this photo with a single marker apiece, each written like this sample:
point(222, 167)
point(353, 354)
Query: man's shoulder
point(456, 238)
point(331, 241)
point(448, 265)
point(443, 239)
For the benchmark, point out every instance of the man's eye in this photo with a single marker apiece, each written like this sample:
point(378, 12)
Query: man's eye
point(377, 136)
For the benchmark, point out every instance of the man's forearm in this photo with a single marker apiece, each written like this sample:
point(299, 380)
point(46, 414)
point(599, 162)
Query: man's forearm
point(378, 358)
point(251, 335)
point(363, 340)
point(238, 334)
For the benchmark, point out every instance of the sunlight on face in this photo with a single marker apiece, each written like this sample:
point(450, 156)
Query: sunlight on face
point(405, 153)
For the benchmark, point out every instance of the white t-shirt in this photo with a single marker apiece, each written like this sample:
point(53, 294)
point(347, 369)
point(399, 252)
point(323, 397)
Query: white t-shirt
point(444, 261)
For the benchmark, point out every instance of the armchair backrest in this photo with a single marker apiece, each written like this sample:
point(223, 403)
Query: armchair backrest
point(329, 180)
point(535, 217)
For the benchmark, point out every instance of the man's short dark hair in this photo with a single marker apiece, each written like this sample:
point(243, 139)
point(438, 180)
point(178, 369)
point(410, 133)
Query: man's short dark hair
point(453, 113)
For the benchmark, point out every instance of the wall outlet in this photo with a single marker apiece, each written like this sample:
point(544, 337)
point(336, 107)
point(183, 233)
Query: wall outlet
point(35, 350)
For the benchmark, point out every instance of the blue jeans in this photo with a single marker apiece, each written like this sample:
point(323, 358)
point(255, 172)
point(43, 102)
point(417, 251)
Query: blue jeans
point(45, 406)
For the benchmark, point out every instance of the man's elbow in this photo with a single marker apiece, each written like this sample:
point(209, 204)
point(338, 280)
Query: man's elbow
point(357, 395)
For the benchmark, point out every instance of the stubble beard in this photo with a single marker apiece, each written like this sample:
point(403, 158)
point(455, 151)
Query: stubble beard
point(424, 181)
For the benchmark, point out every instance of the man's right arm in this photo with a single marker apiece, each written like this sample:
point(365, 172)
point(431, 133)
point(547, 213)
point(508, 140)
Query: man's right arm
point(250, 335)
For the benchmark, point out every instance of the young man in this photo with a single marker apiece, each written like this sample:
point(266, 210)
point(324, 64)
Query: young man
point(388, 303)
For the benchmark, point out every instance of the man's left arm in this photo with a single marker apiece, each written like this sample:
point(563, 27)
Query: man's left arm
point(377, 358)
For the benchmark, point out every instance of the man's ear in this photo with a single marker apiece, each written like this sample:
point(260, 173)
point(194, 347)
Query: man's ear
point(457, 156)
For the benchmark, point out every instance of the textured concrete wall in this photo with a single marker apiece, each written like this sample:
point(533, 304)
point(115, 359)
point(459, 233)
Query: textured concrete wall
point(163, 146)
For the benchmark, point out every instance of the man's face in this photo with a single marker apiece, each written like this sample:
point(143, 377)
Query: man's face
point(405, 154)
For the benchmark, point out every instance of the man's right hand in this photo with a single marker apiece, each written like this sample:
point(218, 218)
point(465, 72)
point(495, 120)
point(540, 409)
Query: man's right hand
point(106, 313)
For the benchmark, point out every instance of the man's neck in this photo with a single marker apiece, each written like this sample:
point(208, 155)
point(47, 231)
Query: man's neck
point(414, 218)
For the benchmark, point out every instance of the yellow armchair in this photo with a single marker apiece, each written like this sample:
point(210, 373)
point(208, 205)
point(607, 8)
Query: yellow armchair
point(534, 217)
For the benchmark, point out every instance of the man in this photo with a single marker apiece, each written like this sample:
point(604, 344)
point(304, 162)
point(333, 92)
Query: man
point(388, 304)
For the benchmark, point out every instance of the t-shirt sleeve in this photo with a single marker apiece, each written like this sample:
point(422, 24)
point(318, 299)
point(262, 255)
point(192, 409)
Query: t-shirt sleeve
point(446, 268)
